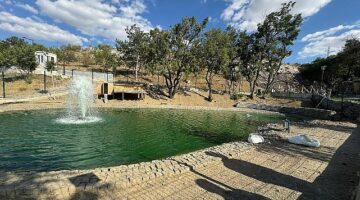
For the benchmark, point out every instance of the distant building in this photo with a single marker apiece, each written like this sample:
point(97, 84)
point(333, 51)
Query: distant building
point(42, 58)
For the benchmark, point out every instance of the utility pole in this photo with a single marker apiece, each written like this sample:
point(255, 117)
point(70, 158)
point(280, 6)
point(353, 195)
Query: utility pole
point(328, 51)
point(322, 76)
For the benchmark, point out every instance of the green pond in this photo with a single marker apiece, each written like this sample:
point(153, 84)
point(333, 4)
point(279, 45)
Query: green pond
point(36, 140)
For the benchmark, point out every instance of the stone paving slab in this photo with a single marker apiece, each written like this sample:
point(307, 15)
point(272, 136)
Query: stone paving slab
point(237, 170)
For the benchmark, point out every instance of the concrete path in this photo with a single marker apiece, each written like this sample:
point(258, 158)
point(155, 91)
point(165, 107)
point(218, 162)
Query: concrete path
point(276, 170)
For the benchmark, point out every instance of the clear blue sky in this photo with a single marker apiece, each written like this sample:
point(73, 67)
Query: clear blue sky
point(327, 23)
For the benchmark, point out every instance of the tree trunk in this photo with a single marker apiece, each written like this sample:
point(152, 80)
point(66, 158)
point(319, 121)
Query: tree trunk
point(196, 78)
point(251, 93)
point(137, 67)
point(269, 82)
point(252, 89)
point(209, 83)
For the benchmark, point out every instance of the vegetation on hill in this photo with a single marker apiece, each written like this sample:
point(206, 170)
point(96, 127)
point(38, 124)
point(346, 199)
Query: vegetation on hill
point(344, 66)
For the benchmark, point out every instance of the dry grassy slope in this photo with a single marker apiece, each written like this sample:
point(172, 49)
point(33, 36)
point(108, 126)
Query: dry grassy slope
point(17, 86)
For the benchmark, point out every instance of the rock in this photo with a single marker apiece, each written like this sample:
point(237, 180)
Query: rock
point(195, 90)
point(304, 140)
point(255, 138)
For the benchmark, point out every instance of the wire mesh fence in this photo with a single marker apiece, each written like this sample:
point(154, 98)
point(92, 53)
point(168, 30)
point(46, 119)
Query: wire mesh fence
point(24, 85)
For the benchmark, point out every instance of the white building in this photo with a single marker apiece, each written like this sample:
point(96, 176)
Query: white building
point(42, 58)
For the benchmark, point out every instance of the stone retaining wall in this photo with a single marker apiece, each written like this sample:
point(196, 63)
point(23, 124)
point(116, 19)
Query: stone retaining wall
point(290, 95)
point(66, 182)
point(351, 110)
point(307, 112)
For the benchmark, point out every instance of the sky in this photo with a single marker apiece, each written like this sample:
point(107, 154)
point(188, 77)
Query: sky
point(327, 23)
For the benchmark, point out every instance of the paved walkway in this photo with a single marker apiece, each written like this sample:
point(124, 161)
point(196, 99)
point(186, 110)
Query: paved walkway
point(276, 170)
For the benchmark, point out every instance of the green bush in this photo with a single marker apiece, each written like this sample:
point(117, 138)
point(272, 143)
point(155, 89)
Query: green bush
point(237, 96)
point(28, 79)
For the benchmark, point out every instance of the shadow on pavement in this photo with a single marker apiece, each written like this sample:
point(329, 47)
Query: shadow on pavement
point(337, 181)
point(82, 181)
point(323, 153)
point(228, 194)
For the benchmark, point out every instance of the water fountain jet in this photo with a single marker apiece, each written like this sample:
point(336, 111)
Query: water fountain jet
point(80, 102)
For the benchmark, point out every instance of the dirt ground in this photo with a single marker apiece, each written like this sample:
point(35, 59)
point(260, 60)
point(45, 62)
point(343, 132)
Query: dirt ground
point(181, 99)
point(20, 86)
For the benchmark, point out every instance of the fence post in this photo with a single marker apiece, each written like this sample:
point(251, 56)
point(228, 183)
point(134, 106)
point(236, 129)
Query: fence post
point(3, 83)
point(72, 73)
point(92, 75)
point(45, 81)
point(64, 69)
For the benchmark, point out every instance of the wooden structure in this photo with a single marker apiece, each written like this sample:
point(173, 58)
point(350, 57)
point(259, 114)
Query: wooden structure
point(356, 86)
point(122, 91)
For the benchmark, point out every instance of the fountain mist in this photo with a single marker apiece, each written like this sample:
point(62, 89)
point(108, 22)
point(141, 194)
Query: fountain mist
point(80, 102)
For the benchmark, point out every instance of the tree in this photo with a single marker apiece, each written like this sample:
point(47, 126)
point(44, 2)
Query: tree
point(7, 58)
point(50, 65)
point(350, 58)
point(232, 72)
point(26, 58)
point(16, 52)
point(251, 57)
point(175, 50)
point(9, 51)
point(343, 66)
point(87, 58)
point(215, 55)
point(134, 50)
point(104, 57)
point(276, 34)
point(65, 54)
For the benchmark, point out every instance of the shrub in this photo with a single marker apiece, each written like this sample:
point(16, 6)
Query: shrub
point(237, 96)
point(28, 79)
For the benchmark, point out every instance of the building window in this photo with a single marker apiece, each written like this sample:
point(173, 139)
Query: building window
point(48, 59)
point(42, 58)
point(53, 59)
point(38, 58)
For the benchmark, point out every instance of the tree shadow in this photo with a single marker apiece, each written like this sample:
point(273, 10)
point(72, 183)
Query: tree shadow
point(213, 186)
point(81, 182)
point(228, 194)
point(24, 185)
point(338, 127)
point(337, 181)
point(340, 176)
point(265, 174)
point(278, 147)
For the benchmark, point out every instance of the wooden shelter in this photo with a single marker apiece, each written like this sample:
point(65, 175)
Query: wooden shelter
point(122, 91)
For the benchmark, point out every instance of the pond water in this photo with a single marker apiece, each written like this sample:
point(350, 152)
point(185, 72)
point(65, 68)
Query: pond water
point(36, 140)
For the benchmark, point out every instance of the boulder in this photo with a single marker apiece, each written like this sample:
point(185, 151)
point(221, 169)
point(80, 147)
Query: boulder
point(255, 138)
